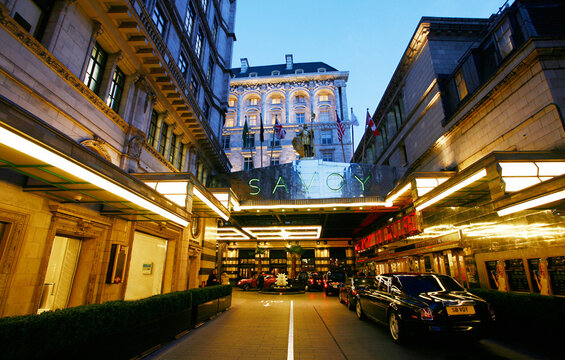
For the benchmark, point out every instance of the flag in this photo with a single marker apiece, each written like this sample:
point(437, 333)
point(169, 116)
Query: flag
point(245, 134)
point(371, 124)
point(340, 128)
point(280, 132)
point(354, 121)
point(262, 131)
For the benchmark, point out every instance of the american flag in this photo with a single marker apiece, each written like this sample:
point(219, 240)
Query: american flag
point(340, 128)
point(280, 132)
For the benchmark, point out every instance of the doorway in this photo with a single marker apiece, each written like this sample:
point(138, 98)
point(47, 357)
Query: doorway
point(147, 266)
point(60, 273)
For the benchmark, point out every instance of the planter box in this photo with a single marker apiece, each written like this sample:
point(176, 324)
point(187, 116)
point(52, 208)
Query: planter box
point(203, 312)
point(224, 303)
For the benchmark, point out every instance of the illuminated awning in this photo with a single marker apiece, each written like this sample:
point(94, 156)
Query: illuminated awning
point(62, 170)
point(185, 190)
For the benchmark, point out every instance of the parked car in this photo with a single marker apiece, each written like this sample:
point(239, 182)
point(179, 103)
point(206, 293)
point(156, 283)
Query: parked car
point(418, 303)
point(348, 290)
point(309, 280)
point(333, 280)
point(251, 283)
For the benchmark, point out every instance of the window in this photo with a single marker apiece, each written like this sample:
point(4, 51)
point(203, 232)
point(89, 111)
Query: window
point(225, 141)
point(254, 101)
point(210, 72)
point(324, 97)
point(503, 36)
point(299, 71)
point(277, 141)
point(300, 99)
point(95, 68)
point(230, 120)
point(276, 100)
point(461, 86)
point(183, 65)
point(215, 30)
point(116, 89)
point(247, 163)
point(174, 148)
point(324, 116)
point(300, 118)
point(163, 139)
point(251, 140)
point(328, 156)
point(182, 156)
point(275, 160)
point(206, 110)
point(152, 128)
point(31, 15)
point(327, 137)
point(194, 86)
point(275, 72)
point(189, 20)
point(232, 102)
point(321, 70)
point(159, 19)
point(198, 44)
point(252, 120)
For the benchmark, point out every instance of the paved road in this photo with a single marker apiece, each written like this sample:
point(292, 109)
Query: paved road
point(257, 327)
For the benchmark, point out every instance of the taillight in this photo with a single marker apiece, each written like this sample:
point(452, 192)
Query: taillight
point(354, 292)
point(426, 314)
point(311, 281)
point(325, 284)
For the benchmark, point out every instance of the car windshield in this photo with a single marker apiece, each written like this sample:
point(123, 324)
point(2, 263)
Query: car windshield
point(360, 281)
point(336, 276)
point(415, 285)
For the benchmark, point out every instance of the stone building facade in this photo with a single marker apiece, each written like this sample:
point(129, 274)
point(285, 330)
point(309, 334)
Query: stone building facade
point(110, 115)
point(296, 94)
point(474, 115)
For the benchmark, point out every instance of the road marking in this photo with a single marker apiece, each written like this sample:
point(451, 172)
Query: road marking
point(332, 335)
point(290, 350)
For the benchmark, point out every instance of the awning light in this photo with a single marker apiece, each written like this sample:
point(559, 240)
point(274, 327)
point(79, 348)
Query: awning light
point(532, 203)
point(40, 153)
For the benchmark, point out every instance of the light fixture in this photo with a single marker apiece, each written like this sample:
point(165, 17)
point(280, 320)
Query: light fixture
point(204, 199)
point(306, 206)
point(471, 179)
point(27, 147)
point(230, 233)
point(532, 203)
point(393, 197)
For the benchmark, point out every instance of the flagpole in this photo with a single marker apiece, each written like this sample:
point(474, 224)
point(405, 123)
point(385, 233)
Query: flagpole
point(364, 140)
point(343, 150)
point(261, 138)
point(273, 141)
point(352, 136)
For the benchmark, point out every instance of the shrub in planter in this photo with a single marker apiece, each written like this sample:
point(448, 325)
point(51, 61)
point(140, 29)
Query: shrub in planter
point(84, 331)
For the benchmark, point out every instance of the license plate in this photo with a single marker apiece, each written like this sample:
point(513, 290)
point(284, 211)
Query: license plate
point(460, 310)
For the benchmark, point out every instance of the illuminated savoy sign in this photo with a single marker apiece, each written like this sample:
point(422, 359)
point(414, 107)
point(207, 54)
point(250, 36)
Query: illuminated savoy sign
point(312, 179)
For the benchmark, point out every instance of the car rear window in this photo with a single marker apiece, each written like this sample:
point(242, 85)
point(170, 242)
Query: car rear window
point(416, 285)
point(337, 276)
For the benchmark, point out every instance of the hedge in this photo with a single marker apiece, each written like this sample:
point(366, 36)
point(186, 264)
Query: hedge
point(530, 320)
point(90, 329)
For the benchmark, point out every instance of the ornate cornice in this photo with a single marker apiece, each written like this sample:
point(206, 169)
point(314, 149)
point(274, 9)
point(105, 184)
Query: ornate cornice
point(283, 85)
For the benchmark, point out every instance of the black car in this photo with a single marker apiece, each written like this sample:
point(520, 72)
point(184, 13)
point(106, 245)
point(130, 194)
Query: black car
point(418, 303)
point(349, 288)
point(333, 280)
point(308, 281)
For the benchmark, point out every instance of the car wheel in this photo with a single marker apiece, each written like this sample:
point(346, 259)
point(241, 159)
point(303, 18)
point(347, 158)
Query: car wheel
point(396, 329)
point(359, 311)
point(306, 288)
point(350, 304)
point(245, 287)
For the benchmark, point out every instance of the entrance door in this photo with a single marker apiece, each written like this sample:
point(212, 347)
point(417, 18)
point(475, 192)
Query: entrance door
point(60, 273)
point(147, 266)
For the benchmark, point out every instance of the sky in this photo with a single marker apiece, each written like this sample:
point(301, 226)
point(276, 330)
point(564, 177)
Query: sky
point(365, 37)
